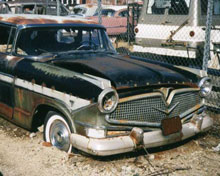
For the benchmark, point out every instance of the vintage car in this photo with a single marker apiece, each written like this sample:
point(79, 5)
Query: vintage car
point(114, 18)
point(84, 10)
point(63, 73)
point(33, 7)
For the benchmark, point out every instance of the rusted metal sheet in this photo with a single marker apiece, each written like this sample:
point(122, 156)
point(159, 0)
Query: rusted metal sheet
point(6, 110)
point(34, 19)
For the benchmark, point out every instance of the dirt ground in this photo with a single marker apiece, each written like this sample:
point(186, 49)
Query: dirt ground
point(25, 154)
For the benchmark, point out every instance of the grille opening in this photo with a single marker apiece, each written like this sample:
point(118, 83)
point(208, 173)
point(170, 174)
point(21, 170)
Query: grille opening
point(149, 109)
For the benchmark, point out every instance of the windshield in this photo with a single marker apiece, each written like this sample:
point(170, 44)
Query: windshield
point(106, 12)
point(216, 7)
point(79, 10)
point(173, 7)
point(39, 41)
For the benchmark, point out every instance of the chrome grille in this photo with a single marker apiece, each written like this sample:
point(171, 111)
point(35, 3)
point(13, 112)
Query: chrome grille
point(146, 109)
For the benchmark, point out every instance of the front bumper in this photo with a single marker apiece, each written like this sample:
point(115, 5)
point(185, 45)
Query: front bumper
point(122, 144)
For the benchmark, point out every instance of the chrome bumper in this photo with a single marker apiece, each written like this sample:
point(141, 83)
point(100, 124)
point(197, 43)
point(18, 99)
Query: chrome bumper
point(122, 144)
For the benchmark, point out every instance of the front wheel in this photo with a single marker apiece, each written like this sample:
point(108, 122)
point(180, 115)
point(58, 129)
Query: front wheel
point(57, 131)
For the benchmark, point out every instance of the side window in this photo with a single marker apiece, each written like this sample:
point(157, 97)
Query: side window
point(172, 7)
point(6, 38)
point(91, 36)
point(28, 9)
point(63, 11)
point(216, 8)
point(4, 8)
point(123, 13)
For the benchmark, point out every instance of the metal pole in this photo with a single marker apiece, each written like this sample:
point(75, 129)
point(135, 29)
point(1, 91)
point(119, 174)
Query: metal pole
point(100, 11)
point(206, 53)
point(58, 7)
point(46, 6)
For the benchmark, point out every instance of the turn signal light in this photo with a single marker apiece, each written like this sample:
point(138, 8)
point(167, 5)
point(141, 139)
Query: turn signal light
point(136, 30)
point(192, 33)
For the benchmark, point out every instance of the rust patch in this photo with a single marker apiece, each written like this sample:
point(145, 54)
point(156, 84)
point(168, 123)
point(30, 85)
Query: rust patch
point(123, 87)
point(133, 136)
point(46, 144)
point(20, 96)
point(43, 84)
point(122, 121)
point(23, 20)
point(171, 125)
point(79, 22)
point(116, 133)
point(89, 5)
point(137, 136)
point(23, 112)
point(33, 81)
point(193, 85)
point(6, 110)
point(13, 60)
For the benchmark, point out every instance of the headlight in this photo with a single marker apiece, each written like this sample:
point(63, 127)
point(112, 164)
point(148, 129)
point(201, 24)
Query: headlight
point(108, 100)
point(205, 86)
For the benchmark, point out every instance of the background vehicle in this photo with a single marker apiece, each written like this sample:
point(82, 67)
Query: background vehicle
point(33, 7)
point(114, 18)
point(177, 28)
point(84, 10)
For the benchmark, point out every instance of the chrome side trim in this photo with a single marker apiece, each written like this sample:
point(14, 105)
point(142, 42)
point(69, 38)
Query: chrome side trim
point(136, 97)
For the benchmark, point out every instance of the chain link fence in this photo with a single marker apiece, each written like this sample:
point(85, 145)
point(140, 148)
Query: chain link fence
point(179, 32)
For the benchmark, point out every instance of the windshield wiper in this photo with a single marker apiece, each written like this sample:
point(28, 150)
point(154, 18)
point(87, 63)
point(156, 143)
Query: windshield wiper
point(84, 51)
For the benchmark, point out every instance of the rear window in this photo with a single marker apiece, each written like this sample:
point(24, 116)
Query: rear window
point(171, 7)
point(216, 8)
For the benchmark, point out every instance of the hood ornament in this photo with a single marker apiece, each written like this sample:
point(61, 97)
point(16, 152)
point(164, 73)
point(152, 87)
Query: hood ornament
point(168, 110)
point(166, 91)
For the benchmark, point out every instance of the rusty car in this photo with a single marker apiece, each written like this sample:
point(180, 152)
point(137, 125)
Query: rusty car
point(64, 74)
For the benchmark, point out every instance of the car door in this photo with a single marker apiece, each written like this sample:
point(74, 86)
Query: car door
point(6, 77)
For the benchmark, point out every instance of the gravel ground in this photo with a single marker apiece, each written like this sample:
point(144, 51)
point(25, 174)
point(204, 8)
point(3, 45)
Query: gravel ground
point(23, 153)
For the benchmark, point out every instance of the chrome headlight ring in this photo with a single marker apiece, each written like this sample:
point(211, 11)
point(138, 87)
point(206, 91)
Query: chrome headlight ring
point(205, 85)
point(108, 100)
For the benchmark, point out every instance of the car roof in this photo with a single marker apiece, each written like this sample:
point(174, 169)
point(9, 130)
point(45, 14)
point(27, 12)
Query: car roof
point(116, 8)
point(29, 19)
point(18, 2)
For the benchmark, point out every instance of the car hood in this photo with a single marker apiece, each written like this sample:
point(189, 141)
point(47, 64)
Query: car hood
point(124, 72)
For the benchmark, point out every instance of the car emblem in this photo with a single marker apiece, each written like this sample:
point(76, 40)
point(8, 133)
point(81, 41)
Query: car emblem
point(168, 110)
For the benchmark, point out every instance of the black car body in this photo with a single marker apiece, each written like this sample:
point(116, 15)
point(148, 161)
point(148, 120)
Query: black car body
point(64, 73)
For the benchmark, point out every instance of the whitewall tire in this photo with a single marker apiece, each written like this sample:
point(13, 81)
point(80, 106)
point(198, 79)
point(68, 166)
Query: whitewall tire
point(57, 131)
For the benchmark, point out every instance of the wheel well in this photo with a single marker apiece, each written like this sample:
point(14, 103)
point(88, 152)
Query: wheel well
point(40, 115)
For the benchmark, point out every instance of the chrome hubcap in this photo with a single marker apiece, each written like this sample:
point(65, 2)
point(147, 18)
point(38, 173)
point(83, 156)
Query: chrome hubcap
point(59, 135)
